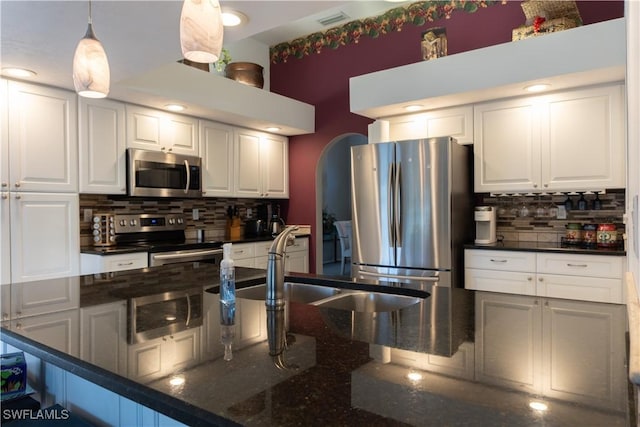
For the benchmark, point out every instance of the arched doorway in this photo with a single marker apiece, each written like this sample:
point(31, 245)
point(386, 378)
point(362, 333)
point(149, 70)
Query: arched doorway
point(333, 199)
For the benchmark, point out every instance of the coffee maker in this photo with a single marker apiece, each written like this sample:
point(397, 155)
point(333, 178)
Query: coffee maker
point(485, 217)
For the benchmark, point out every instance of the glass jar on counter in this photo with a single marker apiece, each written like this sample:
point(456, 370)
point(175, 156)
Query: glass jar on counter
point(589, 237)
point(607, 235)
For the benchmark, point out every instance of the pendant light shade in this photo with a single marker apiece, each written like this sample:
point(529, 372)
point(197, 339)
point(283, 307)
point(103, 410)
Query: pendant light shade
point(91, 76)
point(201, 30)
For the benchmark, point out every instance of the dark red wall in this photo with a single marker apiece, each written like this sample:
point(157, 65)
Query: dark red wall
point(323, 81)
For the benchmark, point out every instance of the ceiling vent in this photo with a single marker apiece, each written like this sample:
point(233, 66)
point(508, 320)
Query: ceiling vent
point(332, 19)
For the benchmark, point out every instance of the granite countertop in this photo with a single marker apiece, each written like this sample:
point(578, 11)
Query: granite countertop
point(550, 247)
point(343, 377)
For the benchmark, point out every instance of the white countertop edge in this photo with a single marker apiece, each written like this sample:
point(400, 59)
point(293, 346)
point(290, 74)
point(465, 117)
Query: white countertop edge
point(633, 312)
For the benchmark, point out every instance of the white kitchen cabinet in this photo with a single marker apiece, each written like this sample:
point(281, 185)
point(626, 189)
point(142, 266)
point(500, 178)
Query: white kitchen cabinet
point(456, 122)
point(575, 335)
point(261, 165)
point(45, 241)
point(567, 141)
point(539, 345)
point(46, 296)
point(162, 356)
point(216, 150)
point(251, 322)
point(243, 254)
point(157, 130)
point(297, 256)
point(93, 264)
point(103, 339)
point(585, 277)
point(5, 247)
point(57, 330)
point(43, 141)
point(102, 151)
point(508, 341)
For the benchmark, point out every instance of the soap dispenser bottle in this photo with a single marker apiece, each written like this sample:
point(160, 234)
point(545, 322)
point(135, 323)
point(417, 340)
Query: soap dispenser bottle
point(227, 299)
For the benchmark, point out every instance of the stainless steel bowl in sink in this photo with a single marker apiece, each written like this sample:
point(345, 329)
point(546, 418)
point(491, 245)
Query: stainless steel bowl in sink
point(296, 292)
point(368, 302)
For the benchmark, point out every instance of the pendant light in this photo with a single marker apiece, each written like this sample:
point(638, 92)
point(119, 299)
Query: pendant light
point(90, 66)
point(201, 30)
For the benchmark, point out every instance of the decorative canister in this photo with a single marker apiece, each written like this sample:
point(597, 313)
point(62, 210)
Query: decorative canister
point(589, 234)
point(607, 235)
point(245, 72)
point(573, 233)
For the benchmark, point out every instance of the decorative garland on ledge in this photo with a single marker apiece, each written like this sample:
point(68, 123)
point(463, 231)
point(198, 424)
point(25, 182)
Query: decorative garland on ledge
point(418, 14)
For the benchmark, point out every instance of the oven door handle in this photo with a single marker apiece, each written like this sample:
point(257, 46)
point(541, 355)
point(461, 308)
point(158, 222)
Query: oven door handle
point(184, 254)
point(186, 164)
point(188, 310)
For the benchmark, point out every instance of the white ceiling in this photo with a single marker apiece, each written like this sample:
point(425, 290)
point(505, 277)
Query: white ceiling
point(141, 35)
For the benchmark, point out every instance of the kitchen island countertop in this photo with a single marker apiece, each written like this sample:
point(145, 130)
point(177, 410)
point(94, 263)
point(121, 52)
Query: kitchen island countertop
point(350, 369)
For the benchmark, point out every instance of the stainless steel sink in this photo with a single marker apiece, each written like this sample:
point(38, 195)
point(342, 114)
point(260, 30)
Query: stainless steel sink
point(368, 302)
point(296, 292)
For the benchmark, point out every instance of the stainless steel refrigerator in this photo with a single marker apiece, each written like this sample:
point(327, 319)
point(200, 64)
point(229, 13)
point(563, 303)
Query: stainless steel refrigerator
point(412, 212)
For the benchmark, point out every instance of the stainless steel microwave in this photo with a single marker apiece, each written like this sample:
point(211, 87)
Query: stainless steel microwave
point(160, 174)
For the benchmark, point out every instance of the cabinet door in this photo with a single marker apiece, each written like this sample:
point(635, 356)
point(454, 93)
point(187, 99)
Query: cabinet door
point(296, 262)
point(583, 140)
point(43, 141)
point(56, 330)
point(275, 166)
point(103, 339)
point(508, 340)
point(248, 172)
point(579, 334)
point(183, 349)
point(455, 122)
point(102, 146)
point(251, 322)
point(216, 150)
point(45, 242)
point(5, 244)
point(584, 288)
point(150, 129)
point(506, 146)
point(145, 361)
point(45, 296)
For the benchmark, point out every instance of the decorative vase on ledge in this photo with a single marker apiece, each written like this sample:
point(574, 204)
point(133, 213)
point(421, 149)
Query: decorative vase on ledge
point(245, 72)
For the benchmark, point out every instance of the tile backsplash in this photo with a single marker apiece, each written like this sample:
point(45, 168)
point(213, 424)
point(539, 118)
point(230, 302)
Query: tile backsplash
point(539, 226)
point(212, 212)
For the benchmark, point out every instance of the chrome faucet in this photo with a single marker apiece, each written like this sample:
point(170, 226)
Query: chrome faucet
point(275, 301)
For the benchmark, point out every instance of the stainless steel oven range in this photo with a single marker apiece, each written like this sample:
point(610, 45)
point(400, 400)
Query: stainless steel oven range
point(163, 237)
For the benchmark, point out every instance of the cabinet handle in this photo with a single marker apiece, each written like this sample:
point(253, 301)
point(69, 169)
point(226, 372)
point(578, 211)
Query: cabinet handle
point(535, 302)
point(18, 325)
point(540, 279)
point(535, 185)
point(18, 184)
point(170, 149)
point(546, 185)
point(498, 260)
point(577, 265)
point(529, 278)
point(5, 196)
point(122, 264)
point(18, 196)
point(546, 303)
point(4, 185)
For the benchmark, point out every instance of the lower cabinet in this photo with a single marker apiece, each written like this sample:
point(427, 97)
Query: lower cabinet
point(542, 345)
point(256, 255)
point(103, 338)
point(162, 356)
point(94, 264)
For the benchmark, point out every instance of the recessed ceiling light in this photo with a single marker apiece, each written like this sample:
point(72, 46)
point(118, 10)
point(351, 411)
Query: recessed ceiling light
point(233, 18)
point(272, 128)
point(17, 72)
point(538, 87)
point(175, 107)
point(414, 107)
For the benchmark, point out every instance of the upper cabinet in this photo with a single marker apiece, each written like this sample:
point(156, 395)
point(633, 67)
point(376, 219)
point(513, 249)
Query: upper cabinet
point(157, 130)
point(101, 124)
point(216, 150)
point(42, 139)
point(261, 165)
point(567, 141)
point(455, 122)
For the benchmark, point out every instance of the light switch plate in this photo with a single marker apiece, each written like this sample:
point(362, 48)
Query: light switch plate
point(88, 215)
point(196, 214)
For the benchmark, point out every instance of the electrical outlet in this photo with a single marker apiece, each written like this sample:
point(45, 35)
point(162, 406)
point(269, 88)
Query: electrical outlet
point(196, 214)
point(88, 215)
point(562, 212)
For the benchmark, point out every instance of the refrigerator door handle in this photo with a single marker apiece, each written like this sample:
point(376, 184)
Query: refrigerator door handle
point(398, 205)
point(390, 205)
point(418, 278)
